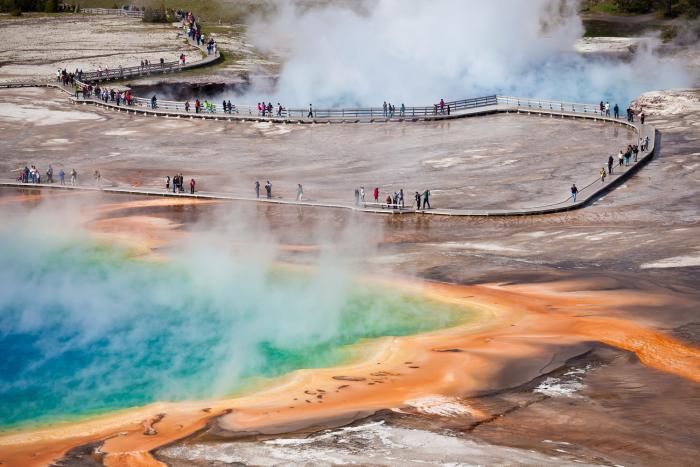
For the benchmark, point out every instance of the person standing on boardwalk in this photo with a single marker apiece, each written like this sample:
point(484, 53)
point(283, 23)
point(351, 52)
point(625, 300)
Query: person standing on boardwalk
point(602, 174)
point(376, 194)
point(73, 177)
point(62, 177)
point(257, 189)
point(611, 161)
point(616, 111)
point(426, 199)
point(635, 151)
point(357, 197)
point(167, 183)
point(607, 108)
point(620, 158)
point(442, 106)
point(401, 202)
point(642, 117)
point(174, 183)
point(268, 189)
point(192, 183)
point(300, 192)
point(574, 192)
point(646, 143)
point(362, 193)
point(311, 112)
point(384, 108)
point(417, 197)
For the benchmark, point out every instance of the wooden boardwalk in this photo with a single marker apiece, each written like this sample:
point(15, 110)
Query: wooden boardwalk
point(590, 189)
point(588, 193)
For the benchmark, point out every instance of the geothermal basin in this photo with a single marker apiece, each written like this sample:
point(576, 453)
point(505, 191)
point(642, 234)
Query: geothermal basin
point(150, 330)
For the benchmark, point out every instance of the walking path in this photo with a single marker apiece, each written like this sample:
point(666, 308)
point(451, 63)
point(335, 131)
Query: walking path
point(589, 191)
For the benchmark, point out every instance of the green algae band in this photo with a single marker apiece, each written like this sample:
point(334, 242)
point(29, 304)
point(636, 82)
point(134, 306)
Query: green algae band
point(85, 330)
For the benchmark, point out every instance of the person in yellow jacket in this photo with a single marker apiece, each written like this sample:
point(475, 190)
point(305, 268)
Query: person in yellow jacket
point(602, 174)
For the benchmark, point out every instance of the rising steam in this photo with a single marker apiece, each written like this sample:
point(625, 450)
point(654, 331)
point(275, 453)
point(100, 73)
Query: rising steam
point(417, 51)
point(85, 327)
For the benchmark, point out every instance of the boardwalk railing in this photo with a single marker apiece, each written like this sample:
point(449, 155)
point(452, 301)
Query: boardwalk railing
point(152, 68)
point(366, 113)
point(557, 106)
point(113, 11)
point(128, 72)
point(379, 112)
point(588, 191)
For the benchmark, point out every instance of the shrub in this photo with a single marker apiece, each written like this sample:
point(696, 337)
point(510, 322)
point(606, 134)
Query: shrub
point(155, 15)
point(51, 6)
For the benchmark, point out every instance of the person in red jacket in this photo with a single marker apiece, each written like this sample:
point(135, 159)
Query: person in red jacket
point(376, 194)
point(192, 186)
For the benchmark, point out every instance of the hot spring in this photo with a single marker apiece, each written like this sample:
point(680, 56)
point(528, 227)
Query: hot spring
point(86, 328)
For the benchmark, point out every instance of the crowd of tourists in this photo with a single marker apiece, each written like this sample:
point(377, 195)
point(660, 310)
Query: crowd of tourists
point(67, 78)
point(624, 159)
point(268, 110)
point(268, 190)
point(178, 184)
point(604, 108)
point(194, 31)
point(392, 201)
point(33, 175)
point(118, 97)
point(389, 110)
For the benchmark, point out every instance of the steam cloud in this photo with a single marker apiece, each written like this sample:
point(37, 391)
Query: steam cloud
point(416, 52)
point(84, 328)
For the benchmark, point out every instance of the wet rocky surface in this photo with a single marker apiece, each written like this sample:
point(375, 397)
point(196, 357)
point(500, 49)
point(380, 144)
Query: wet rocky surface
point(591, 410)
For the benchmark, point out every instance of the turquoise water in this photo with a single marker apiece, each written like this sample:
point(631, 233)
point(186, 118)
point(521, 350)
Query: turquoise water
point(85, 330)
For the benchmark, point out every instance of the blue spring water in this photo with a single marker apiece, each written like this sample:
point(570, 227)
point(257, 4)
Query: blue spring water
point(85, 329)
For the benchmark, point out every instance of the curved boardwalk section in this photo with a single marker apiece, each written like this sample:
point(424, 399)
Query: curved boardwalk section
point(591, 189)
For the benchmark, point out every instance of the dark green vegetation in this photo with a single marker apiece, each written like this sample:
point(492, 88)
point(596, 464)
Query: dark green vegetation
point(16, 7)
point(610, 28)
point(631, 18)
point(664, 8)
